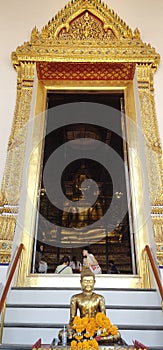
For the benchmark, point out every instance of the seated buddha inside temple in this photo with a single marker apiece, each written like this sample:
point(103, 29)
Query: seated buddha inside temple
point(90, 307)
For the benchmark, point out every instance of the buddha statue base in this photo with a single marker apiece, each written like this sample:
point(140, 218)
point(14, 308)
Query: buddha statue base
point(109, 340)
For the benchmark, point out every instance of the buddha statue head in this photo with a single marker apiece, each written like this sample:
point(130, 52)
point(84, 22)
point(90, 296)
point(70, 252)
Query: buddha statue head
point(87, 280)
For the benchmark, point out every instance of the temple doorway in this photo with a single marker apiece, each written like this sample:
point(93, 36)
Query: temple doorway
point(106, 228)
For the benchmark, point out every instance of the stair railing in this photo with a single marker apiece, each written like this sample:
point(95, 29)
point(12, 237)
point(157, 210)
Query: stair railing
point(12, 270)
point(155, 271)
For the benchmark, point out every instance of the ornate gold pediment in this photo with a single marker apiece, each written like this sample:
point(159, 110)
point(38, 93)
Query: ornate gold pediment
point(86, 31)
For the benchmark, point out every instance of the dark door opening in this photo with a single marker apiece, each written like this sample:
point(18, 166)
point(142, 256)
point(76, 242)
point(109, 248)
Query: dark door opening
point(65, 230)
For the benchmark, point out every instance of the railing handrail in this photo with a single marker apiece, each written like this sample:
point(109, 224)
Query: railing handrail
point(154, 269)
point(10, 276)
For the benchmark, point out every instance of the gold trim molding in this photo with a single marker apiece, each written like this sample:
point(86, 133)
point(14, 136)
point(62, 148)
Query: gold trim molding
point(157, 227)
point(84, 33)
point(7, 224)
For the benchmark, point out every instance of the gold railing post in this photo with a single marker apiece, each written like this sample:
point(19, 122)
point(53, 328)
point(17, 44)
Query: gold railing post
point(155, 271)
point(146, 271)
point(2, 321)
point(7, 286)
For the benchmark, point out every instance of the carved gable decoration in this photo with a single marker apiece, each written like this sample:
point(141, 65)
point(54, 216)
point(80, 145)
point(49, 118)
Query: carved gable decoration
point(84, 19)
point(86, 31)
point(87, 26)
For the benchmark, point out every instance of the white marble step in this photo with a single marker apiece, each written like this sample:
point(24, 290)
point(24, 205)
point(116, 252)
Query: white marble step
point(32, 313)
point(29, 335)
point(149, 338)
point(53, 296)
point(61, 316)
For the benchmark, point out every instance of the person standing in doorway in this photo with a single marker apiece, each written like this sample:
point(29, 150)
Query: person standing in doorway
point(40, 265)
point(90, 261)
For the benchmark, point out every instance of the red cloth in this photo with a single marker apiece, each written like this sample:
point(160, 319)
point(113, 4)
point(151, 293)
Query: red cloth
point(139, 345)
point(37, 344)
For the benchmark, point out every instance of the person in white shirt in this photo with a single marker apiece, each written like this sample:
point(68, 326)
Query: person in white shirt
point(90, 261)
point(64, 267)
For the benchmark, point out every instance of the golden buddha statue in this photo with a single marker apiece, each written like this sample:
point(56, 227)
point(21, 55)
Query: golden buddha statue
point(88, 304)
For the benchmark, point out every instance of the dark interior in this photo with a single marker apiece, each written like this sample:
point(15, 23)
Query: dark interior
point(65, 232)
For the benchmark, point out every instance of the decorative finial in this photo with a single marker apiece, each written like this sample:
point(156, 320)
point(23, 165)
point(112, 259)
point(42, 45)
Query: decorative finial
point(136, 33)
point(34, 33)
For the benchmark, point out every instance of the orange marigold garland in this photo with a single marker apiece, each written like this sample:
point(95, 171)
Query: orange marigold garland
point(87, 331)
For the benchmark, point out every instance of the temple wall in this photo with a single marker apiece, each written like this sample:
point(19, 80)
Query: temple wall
point(18, 19)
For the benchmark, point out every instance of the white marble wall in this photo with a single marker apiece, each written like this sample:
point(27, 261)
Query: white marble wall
point(161, 272)
point(3, 273)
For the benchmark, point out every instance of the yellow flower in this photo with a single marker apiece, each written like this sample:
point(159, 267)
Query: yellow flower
point(100, 318)
point(113, 330)
point(102, 321)
point(78, 324)
point(80, 345)
point(85, 345)
point(76, 320)
point(85, 321)
point(93, 344)
point(74, 345)
point(78, 336)
point(89, 327)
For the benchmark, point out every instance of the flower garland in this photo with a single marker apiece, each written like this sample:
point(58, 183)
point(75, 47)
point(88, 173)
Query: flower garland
point(89, 330)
